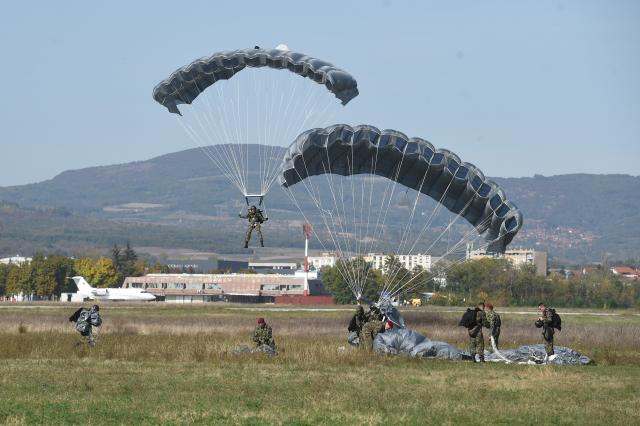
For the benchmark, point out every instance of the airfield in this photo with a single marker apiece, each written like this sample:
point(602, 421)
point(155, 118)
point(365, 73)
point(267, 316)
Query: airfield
point(158, 363)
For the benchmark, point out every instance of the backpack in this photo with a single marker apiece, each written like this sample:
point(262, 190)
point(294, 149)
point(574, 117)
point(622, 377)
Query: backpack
point(468, 319)
point(556, 321)
point(82, 325)
point(497, 321)
point(95, 319)
point(76, 314)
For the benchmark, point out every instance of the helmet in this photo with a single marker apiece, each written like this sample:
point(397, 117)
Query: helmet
point(95, 308)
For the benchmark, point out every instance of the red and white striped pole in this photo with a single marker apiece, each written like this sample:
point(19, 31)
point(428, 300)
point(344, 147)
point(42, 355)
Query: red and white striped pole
point(307, 232)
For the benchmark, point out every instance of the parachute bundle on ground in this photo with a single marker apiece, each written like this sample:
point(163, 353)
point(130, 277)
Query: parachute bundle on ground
point(350, 175)
point(248, 102)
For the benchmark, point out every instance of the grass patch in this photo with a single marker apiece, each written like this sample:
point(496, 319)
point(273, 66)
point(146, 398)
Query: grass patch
point(175, 365)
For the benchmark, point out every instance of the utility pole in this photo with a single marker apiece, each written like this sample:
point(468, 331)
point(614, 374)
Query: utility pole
point(306, 228)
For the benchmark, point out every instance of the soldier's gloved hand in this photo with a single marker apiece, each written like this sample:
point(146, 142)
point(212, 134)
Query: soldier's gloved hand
point(266, 219)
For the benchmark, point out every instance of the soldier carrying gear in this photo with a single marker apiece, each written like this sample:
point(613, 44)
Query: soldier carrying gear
point(85, 320)
point(256, 219)
point(476, 338)
point(263, 335)
point(374, 324)
point(547, 323)
point(493, 323)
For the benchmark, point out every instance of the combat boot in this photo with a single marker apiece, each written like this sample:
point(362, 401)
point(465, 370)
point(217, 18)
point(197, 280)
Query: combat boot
point(246, 244)
point(261, 243)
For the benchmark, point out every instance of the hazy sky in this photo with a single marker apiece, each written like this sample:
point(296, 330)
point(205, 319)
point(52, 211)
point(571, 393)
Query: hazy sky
point(518, 88)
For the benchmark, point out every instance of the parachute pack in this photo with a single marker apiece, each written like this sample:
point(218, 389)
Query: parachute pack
point(556, 321)
point(85, 319)
point(468, 319)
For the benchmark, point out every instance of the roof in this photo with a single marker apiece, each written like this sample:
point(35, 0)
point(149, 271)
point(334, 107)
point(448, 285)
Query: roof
point(625, 270)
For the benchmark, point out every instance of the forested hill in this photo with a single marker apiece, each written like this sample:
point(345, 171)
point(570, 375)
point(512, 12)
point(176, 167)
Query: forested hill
point(575, 217)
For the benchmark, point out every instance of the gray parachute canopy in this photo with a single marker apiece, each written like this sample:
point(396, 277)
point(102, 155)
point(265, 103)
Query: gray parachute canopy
point(413, 162)
point(186, 83)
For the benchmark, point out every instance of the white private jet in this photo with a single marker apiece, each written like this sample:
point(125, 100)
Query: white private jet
point(86, 290)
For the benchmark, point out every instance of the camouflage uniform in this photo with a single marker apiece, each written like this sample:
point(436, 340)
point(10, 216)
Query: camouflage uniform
point(493, 323)
point(88, 319)
point(263, 335)
point(255, 218)
point(369, 332)
point(358, 321)
point(476, 338)
point(547, 331)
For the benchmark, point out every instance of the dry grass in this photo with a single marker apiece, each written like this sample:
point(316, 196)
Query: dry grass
point(608, 340)
point(175, 365)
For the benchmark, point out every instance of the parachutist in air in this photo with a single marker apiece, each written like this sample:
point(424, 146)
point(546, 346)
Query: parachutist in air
point(256, 219)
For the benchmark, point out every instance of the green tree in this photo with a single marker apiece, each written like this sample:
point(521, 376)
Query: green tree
point(336, 280)
point(106, 274)
point(43, 276)
point(4, 272)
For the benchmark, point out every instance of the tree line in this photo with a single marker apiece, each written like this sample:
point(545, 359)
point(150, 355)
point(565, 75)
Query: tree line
point(46, 277)
point(492, 280)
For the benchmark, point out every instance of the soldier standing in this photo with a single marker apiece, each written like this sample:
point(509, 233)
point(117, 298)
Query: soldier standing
point(546, 322)
point(255, 218)
point(476, 338)
point(494, 322)
point(263, 335)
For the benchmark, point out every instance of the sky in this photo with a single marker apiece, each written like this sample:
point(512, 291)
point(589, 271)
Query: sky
point(517, 88)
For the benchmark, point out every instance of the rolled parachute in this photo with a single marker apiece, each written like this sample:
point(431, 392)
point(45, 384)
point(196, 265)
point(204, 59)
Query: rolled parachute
point(412, 162)
point(185, 84)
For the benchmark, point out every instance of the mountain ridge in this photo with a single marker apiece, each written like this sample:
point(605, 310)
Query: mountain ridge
point(575, 217)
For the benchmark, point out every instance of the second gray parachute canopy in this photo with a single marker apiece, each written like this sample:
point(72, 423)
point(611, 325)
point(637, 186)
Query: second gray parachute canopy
point(412, 162)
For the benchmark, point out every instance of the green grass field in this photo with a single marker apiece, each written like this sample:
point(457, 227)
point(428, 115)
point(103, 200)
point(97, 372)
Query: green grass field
point(162, 364)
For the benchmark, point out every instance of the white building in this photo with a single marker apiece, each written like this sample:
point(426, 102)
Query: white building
point(409, 261)
point(16, 260)
point(377, 260)
point(325, 259)
point(518, 256)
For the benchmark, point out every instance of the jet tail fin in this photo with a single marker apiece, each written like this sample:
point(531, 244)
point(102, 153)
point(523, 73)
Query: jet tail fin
point(82, 284)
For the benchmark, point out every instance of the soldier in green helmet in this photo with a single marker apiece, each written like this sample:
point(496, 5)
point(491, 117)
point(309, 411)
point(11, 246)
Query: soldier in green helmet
point(256, 219)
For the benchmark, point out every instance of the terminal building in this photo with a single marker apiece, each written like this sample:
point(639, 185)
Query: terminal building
point(300, 287)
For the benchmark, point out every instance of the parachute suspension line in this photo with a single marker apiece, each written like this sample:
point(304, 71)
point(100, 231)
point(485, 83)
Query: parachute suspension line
point(393, 185)
point(223, 169)
point(313, 107)
point(409, 289)
point(448, 228)
point(330, 225)
point(250, 122)
point(223, 134)
point(341, 267)
point(470, 236)
point(407, 227)
point(197, 139)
